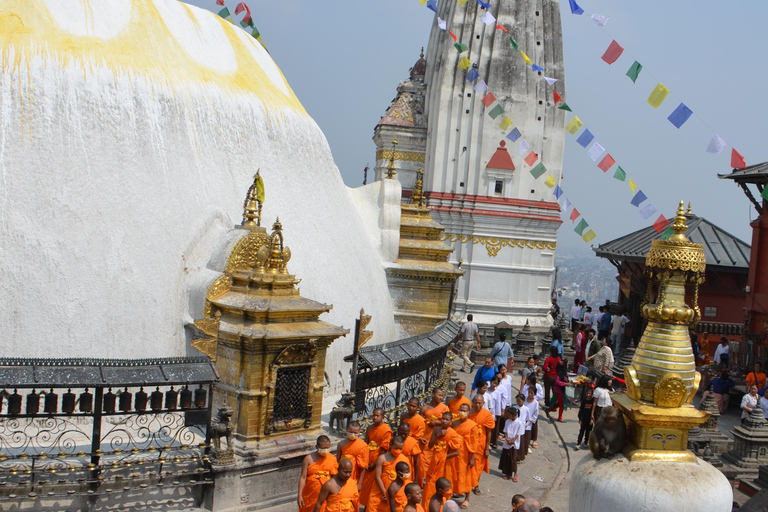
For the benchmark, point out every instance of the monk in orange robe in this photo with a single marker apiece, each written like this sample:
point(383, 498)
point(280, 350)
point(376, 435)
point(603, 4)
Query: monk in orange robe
point(396, 490)
point(432, 413)
point(441, 496)
point(485, 423)
point(418, 426)
point(339, 494)
point(413, 494)
point(411, 449)
point(459, 470)
point(377, 437)
point(385, 473)
point(444, 444)
point(459, 399)
point(354, 449)
point(317, 468)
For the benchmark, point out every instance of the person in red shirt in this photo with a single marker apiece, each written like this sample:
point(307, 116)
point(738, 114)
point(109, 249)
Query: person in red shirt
point(550, 372)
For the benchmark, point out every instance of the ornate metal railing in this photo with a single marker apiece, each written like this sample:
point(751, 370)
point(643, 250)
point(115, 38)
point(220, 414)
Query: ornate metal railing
point(90, 427)
point(389, 375)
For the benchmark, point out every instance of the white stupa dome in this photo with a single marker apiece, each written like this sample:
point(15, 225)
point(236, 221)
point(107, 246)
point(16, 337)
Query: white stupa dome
point(130, 132)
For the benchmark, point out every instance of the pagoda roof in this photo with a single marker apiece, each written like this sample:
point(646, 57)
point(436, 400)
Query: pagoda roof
point(721, 249)
point(757, 173)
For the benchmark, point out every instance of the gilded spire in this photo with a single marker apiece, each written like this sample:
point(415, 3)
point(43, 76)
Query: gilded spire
point(391, 167)
point(689, 212)
point(279, 255)
point(253, 202)
point(417, 197)
point(679, 227)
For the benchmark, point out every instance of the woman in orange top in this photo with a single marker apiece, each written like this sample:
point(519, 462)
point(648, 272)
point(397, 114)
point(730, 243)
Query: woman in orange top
point(444, 445)
point(378, 438)
point(459, 471)
point(485, 423)
point(316, 469)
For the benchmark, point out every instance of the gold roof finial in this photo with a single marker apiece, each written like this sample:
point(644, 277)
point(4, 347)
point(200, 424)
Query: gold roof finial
point(279, 255)
point(417, 197)
point(391, 167)
point(253, 202)
point(689, 212)
point(679, 227)
point(422, 52)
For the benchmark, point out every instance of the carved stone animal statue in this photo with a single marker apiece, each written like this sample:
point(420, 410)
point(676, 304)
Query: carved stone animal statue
point(221, 426)
point(609, 435)
point(344, 409)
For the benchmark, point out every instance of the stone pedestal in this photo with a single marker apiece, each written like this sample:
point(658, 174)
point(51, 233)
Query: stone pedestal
point(707, 440)
point(525, 341)
point(654, 486)
point(750, 447)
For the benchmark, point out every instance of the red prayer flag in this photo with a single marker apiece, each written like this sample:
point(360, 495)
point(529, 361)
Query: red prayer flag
point(613, 52)
point(660, 224)
point(531, 158)
point(558, 99)
point(737, 161)
point(453, 36)
point(499, 27)
point(219, 2)
point(574, 215)
point(489, 99)
point(606, 163)
point(242, 7)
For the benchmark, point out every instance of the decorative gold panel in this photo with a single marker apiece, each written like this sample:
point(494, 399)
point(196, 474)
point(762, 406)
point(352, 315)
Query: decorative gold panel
point(403, 156)
point(494, 244)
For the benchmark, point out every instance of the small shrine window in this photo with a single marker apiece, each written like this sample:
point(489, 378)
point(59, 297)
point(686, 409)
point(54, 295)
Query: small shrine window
point(710, 311)
point(499, 188)
point(291, 394)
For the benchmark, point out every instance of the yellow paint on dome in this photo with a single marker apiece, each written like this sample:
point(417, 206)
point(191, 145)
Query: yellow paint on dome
point(145, 46)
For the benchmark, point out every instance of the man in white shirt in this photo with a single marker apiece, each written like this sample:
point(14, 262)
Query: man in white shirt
point(575, 315)
point(469, 338)
point(722, 354)
point(617, 328)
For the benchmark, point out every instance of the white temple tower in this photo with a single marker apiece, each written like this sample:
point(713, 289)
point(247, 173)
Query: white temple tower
point(502, 222)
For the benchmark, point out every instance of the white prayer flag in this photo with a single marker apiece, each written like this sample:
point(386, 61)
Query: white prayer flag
point(441, 23)
point(550, 81)
point(481, 86)
point(488, 18)
point(648, 211)
point(600, 20)
point(566, 204)
point(716, 145)
point(595, 151)
point(523, 148)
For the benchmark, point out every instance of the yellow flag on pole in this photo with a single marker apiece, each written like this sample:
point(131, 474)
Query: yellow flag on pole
point(526, 58)
point(574, 125)
point(658, 96)
point(632, 185)
point(550, 182)
point(260, 189)
point(588, 236)
point(505, 123)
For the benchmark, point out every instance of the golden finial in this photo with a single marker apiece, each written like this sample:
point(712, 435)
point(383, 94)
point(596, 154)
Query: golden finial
point(422, 52)
point(253, 202)
point(679, 227)
point(417, 197)
point(279, 255)
point(363, 336)
point(689, 212)
point(391, 167)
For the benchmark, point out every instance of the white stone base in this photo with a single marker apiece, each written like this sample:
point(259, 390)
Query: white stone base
point(619, 485)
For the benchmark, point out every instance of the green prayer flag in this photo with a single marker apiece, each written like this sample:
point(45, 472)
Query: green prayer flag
point(461, 47)
point(249, 24)
point(496, 111)
point(564, 106)
point(538, 170)
point(666, 233)
point(581, 227)
point(620, 174)
point(634, 71)
point(514, 44)
point(764, 193)
point(224, 13)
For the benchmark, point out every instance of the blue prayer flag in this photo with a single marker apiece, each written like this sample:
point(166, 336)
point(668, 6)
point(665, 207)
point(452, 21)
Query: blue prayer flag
point(558, 191)
point(639, 198)
point(680, 115)
point(487, 6)
point(575, 9)
point(585, 138)
point(432, 4)
point(472, 75)
point(514, 135)
point(537, 68)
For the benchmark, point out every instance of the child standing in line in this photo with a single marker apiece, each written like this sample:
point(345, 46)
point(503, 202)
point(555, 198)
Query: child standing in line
point(524, 415)
point(513, 431)
point(533, 408)
point(497, 406)
point(585, 418)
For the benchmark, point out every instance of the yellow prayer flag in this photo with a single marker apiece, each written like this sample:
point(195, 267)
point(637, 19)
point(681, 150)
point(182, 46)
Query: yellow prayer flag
point(550, 181)
point(658, 96)
point(505, 123)
point(260, 189)
point(588, 236)
point(423, 2)
point(574, 125)
point(461, 2)
point(465, 63)
point(526, 58)
point(632, 185)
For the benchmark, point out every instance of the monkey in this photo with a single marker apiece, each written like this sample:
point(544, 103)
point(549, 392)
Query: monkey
point(609, 435)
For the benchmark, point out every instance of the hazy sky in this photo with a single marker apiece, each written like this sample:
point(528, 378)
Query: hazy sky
point(344, 59)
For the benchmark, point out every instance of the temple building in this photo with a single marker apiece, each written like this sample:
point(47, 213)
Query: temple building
point(501, 223)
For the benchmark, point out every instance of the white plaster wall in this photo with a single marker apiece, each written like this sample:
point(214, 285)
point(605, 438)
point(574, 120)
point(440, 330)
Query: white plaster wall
point(116, 187)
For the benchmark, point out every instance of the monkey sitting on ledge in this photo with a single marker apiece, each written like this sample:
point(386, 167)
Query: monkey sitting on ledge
point(609, 435)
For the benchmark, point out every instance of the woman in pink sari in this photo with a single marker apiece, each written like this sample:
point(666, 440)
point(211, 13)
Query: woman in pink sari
point(581, 340)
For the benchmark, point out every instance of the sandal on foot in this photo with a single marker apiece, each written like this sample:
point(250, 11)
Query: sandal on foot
point(514, 479)
point(476, 491)
point(506, 477)
point(464, 505)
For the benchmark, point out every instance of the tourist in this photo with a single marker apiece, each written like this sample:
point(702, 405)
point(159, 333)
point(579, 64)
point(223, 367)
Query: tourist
point(532, 403)
point(513, 430)
point(396, 499)
point(444, 444)
point(432, 413)
point(502, 352)
point(550, 372)
point(459, 470)
point(587, 317)
point(694, 344)
point(470, 338)
point(458, 399)
point(517, 501)
point(763, 402)
point(554, 310)
point(617, 327)
point(605, 325)
point(413, 494)
point(593, 346)
point(557, 341)
point(561, 382)
point(533, 384)
point(537, 363)
point(585, 418)
point(524, 416)
point(339, 494)
point(704, 349)
point(575, 315)
point(603, 360)
point(580, 347)
point(722, 353)
point(441, 494)
point(756, 376)
point(720, 387)
point(411, 449)
point(316, 469)
point(602, 397)
point(385, 473)
point(493, 401)
point(486, 423)
point(485, 372)
point(354, 449)
point(748, 403)
point(378, 438)
point(596, 318)
point(528, 369)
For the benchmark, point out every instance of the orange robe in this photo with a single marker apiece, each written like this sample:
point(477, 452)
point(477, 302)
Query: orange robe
point(457, 470)
point(357, 452)
point(433, 414)
point(400, 499)
point(345, 500)
point(388, 475)
point(317, 474)
point(418, 425)
point(484, 419)
point(703, 350)
point(378, 443)
point(449, 442)
point(411, 449)
point(454, 405)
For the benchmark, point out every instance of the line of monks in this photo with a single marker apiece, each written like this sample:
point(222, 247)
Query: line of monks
point(442, 447)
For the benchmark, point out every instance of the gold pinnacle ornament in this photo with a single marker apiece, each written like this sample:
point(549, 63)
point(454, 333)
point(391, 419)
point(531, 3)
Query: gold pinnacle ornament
point(391, 167)
point(662, 379)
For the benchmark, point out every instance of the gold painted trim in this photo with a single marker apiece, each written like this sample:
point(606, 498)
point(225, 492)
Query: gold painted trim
point(638, 455)
point(494, 244)
point(403, 156)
